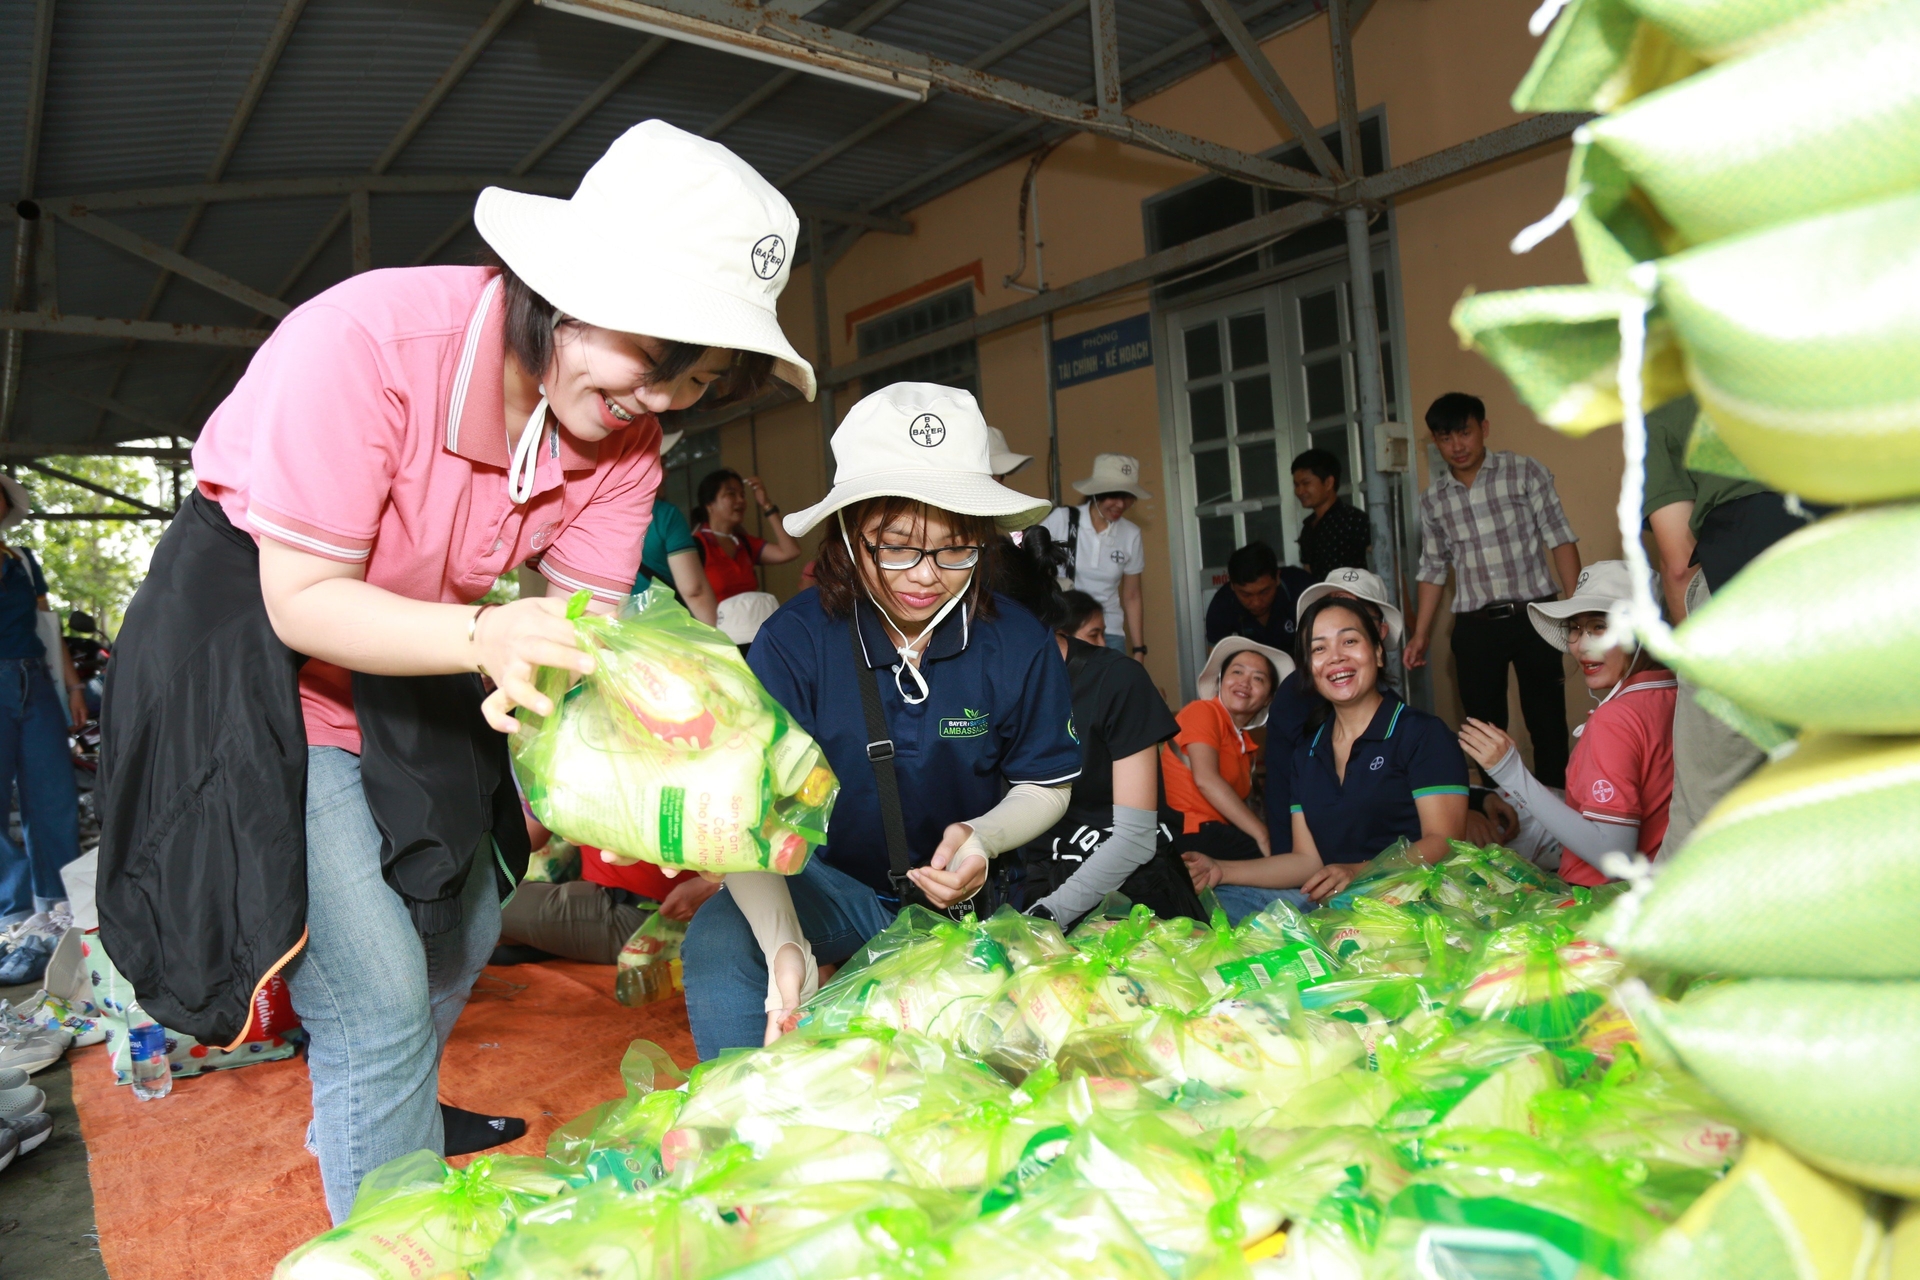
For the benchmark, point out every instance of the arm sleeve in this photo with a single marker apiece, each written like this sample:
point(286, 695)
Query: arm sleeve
point(1588, 840)
point(1668, 481)
point(1126, 849)
point(766, 902)
point(1026, 812)
point(1549, 518)
point(600, 549)
point(1435, 551)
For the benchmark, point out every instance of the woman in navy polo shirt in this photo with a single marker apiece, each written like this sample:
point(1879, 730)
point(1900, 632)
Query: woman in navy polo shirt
point(1372, 771)
point(976, 699)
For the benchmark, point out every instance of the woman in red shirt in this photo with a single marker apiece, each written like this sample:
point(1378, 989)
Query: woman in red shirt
point(731, 554)
point(1620, 776)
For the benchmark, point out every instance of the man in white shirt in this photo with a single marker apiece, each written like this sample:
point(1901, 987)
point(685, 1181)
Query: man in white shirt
point(1105, 554)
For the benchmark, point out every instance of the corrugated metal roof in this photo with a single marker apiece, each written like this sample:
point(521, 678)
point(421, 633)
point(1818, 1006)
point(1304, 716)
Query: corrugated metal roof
point(141, 95)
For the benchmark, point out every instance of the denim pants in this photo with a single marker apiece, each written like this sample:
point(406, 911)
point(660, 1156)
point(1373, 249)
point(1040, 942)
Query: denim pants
point(377, 1000)
point(1243, 900)
point(35, 755)
point(726, 972)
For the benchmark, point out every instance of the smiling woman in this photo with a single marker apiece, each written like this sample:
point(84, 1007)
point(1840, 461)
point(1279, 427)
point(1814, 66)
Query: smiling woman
point(305, 660)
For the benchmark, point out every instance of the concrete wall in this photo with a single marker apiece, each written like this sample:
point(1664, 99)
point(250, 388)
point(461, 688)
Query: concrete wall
point(1442, 70)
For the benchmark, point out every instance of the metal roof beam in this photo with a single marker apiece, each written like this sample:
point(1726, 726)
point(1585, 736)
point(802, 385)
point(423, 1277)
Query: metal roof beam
point(81, 449)
point(1345, 91)
point(181, 265)
point(205, 335)
point(749, 27)
point(106, 403)
point(80, 482)
point(92, 515)
point(780, 80)
point(1267, 77)
point(12, 344)
point(1105, 24)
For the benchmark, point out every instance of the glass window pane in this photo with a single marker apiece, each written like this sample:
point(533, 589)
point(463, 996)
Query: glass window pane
point(1380, 299)
point(1259, 470)
point(1212, 481)
point(1334, 441)
point(1217, 540)
point(1268, 525)
point(1386, 371)
point(1247, 336)
point(1207, 410)
point(1319, 322)
point(1252, 405)
point(1326, 388)
point(1203, 351)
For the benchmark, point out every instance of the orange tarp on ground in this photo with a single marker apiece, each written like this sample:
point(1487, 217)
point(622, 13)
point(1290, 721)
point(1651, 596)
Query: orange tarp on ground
point(214, 1180)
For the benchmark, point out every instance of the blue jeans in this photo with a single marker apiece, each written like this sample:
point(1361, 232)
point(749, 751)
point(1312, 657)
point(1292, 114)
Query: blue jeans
point(1243, 900)
point(1117, 640)
point(34, 753)
point(377, 1000)
point(726, 972)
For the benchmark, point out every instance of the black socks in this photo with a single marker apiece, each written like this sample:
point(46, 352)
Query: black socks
point(469, 1131)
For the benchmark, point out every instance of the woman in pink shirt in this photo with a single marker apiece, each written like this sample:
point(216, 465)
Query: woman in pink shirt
point(1620, 776)
point(295, 742)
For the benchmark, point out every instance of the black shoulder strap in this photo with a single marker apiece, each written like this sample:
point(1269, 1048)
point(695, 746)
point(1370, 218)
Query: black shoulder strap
point(880, 753)
point(1073, 543)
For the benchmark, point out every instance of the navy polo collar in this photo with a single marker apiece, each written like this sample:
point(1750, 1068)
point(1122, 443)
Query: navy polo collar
point(1385, 720)
point(876, 640)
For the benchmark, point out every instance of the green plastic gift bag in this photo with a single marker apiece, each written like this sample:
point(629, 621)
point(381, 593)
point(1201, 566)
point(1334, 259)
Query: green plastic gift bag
point(671, 751)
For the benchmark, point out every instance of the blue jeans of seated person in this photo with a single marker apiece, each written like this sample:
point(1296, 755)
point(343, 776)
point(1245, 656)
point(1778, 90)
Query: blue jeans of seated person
point(377, 1000)
point(34, 752)
point(1117, 640)
point(1243, 900)
point(726, 972)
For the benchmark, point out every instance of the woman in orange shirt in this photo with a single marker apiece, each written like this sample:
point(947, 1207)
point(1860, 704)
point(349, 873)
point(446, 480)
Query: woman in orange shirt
point(1209, 765)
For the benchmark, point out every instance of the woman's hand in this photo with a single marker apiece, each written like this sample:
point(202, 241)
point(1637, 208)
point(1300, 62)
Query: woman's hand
point(1329, 880)
point(945, 887)
point(759, 491)
point(510, 642)
point(1486, 744)
point(789, 975)
point(1205, 871)
point(685, 898)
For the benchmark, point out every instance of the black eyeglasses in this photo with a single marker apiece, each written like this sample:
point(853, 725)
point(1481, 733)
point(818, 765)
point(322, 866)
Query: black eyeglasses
point(900, 559)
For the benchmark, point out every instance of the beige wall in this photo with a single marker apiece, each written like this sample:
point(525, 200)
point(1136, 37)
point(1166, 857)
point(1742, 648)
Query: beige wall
point(1443, 70)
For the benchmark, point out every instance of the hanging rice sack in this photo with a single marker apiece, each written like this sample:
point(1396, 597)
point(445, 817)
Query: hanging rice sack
point(1828, 613)
point(1807, 869)
point(1772, 1216)
point(1822, 122)
point(1560, 347)
point(1903, 1247)
point(1601, 54)
point(1830, 1069)
point(1803, 344)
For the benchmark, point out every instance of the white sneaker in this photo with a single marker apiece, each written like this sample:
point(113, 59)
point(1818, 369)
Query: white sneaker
point(30, 1048)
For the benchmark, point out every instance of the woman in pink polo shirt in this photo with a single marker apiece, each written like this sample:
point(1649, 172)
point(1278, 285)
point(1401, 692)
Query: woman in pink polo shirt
point(298, 777)
point(1620, 776)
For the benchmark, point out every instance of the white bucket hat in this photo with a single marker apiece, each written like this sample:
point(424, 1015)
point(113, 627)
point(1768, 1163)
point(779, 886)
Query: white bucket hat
point(1207, 684)
point(741, 616)
point(669, 440)
point(1364, 585)
point(922, 441)
point(18, 503)
point(1000, 457)
point(1113, 473)
point(668, 235)
point(1602, 585)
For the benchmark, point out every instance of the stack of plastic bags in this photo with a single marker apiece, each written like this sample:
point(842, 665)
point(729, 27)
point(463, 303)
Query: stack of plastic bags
point(670, 751)
point(1748, 214)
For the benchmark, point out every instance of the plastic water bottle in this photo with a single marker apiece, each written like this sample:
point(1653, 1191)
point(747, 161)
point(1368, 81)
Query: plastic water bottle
point(152, 1073)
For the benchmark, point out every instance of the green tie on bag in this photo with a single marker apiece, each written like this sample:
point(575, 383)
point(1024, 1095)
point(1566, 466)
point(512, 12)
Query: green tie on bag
point(1806, 870)
point(1831, 1069)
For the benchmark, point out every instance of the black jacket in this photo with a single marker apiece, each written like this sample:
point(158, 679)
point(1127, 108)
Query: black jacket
point(203, 770)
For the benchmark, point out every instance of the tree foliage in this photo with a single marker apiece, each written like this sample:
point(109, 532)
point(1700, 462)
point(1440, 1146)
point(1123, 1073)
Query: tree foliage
point(96, 565)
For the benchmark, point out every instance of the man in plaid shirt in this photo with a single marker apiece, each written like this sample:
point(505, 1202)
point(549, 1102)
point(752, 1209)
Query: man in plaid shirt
point(1494, 518)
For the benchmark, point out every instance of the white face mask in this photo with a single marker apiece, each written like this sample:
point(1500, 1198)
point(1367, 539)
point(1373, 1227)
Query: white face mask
point(905, 650)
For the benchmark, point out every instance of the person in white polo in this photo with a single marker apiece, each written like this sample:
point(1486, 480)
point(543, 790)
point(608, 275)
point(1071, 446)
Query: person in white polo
point(1105, 554)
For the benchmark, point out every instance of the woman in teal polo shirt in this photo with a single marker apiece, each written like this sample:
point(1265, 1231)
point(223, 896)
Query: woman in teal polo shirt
point(1372, 771)
point(975, 698)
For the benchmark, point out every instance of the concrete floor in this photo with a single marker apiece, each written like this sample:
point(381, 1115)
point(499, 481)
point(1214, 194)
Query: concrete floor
point(46, 1202)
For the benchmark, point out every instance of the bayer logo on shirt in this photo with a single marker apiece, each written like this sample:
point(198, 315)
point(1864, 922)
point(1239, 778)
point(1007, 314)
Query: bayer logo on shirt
point(1378, 762)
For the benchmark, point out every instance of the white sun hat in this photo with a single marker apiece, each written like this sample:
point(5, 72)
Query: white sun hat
point(668, 235)
point(1113, 473)
point(742, 615)
point(922, 441)
point(1001, 457)
point(18, 503)
point(1207, 684)
point(669, 440)
point(1364, 585)
point(1602, 585)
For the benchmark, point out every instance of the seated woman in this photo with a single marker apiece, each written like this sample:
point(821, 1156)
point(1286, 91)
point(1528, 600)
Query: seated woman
point(1373, 771)
point(1086, 618)
point(1620, 776)
point(1209, 765)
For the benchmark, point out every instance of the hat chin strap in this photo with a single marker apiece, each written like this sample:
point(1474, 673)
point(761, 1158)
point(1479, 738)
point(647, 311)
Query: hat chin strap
point(905, 651)
point(526, 453)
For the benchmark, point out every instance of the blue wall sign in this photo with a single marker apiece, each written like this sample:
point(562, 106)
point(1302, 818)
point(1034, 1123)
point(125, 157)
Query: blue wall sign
point(1099, 353)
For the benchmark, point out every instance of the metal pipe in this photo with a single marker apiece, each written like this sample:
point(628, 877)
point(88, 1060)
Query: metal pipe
point(12, 348)
point(1371, 389)
point(1046, 351)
